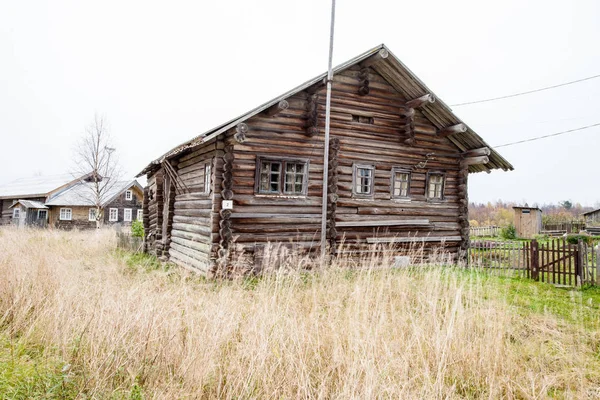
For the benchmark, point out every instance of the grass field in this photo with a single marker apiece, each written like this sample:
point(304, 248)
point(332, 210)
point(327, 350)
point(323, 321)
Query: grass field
point(79, 319)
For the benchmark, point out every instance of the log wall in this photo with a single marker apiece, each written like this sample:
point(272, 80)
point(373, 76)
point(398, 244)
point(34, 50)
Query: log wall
point(193, 241)
point(153, 219)
point(370, 124)
point(368, 128)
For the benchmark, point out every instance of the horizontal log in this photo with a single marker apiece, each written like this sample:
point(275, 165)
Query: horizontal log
point(483, 151)
point(450, 130)
point(380, 56)
point(475, 160)
point(421, 101)
point(386, 222)
point(415, 239)
point(277, 108)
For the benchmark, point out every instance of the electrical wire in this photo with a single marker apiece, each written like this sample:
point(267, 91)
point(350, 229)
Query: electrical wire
point(547, 136)
point(524, 93)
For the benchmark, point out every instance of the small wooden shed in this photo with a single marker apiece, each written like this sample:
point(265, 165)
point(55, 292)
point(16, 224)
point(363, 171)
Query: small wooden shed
point(528, 221)
point(29, 213)
point(592, 218)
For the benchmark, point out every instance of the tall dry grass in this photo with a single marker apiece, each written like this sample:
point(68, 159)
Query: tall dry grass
point(430, 333)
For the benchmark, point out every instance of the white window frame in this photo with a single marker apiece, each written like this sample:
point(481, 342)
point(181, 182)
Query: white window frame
point(140, 214)
point(65, 214)
point(110, 214)
point(127, 214)
point(42, 211)
point(92, 214)
point(128, 195)
point(16, 213)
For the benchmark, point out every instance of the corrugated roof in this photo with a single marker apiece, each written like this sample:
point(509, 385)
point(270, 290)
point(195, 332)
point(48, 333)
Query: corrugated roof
point(35, 186)
point(29, 204)
point(82, 194)
point(401, 78)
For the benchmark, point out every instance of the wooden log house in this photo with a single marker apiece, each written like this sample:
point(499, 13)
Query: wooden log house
point(398, 168)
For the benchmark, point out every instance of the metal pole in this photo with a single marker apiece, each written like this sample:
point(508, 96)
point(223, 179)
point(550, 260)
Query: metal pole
point(326, 139)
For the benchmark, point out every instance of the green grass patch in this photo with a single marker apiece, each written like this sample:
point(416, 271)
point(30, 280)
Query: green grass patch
point(27, 373)
point(141, 262)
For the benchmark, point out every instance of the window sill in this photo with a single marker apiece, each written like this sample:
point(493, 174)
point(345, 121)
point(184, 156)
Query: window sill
point(281, 196)
point(401, 199)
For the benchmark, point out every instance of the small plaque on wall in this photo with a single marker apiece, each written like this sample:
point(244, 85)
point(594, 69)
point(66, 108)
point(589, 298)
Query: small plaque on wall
point(227, 204)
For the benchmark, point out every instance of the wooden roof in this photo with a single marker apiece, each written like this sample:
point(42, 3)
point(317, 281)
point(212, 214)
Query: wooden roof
point(401, 78)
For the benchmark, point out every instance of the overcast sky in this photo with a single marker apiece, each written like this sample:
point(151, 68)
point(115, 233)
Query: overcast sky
point(163, 72)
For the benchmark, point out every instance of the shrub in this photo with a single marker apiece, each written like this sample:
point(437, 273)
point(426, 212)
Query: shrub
point(508, 232)
point(137, 228)
point(574, 239)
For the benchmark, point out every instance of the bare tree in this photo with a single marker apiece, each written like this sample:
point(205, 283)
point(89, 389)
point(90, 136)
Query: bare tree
point(97, 162)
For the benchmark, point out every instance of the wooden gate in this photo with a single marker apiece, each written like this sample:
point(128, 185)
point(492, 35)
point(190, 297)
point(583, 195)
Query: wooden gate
point(557, 262)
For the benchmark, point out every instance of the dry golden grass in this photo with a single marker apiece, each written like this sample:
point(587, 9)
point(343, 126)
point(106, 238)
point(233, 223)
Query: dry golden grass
point(123, 330)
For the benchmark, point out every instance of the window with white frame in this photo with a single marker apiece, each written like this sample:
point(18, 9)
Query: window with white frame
point(140, 214)
point(127, 215)
point(16, 213)
point(65, 214)
point(400, 182)
point(435, 186)
point(363, 180)
point(128, 195)
point(113, 214)
point(92, 214)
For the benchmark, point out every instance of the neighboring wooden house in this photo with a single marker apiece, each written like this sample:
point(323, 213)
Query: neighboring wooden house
point(528, 221)
point(37, 189)
point(29, 213)
point(75, 206)
point(398, 166)
point(592, 218)
point(63, 202)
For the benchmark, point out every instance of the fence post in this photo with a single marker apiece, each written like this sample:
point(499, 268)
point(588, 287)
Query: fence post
point(580, 265)
point(535, 261)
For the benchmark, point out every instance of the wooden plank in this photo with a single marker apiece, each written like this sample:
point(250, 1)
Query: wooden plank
point(414, 239)
point(386, 222)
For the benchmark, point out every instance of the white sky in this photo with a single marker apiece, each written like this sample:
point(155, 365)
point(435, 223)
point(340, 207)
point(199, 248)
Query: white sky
point(163, 72)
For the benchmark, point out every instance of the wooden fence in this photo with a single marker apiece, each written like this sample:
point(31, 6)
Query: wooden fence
point(128, 242)
point(479, 231)
point(556, 262)
point(567, 227)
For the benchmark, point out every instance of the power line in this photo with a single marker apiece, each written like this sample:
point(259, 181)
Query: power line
point(547, 136)
point(528, 92)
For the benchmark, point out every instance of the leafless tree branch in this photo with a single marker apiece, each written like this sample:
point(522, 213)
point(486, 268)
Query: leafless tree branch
point(97, 163)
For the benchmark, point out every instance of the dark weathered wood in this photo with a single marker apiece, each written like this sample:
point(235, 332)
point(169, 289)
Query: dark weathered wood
point(277, 108)
point(241, 130)
point(312, 115)
point(450, 130)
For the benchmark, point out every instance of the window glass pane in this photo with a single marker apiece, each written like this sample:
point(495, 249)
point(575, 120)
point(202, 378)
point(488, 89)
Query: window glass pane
point(294, 178)
point(363, 180)
point(436, 185)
